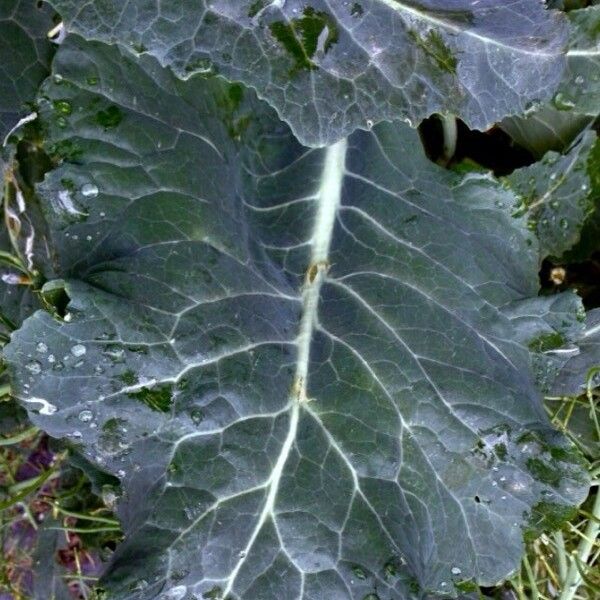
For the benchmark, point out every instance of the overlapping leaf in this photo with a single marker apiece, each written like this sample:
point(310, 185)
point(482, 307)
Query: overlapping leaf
point(580, 89)
point(329, 67)
point(546, 129)
point(297, 360)
point(558, 193)
point(584, 362)
point(26, 54)
point(577, 101)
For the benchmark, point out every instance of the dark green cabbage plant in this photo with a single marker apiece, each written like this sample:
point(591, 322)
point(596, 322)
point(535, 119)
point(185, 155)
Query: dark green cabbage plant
point(314, 358)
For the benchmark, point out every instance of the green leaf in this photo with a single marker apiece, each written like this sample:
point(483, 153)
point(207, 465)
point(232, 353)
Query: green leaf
point(580, 90)
point(17, 300)
point(573, 378)
point(49, 582)
point(26, 54)
point(331, 67)
point(550, 326)
point(546, 129)
point(335, 403)
point(558, 193)
point(555, 125)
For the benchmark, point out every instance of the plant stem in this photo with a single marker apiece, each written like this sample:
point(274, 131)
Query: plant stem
point(78, 515)
point(586, 544)
point(561, 556)
point(450, 130)
point(532, 582)
point(18, 437)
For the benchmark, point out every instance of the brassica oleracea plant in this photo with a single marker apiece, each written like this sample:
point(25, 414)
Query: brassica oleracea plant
point(237, 281)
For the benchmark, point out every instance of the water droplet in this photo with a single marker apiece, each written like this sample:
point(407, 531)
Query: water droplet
point(89, 190)
point(78, 350)
point(455, 571)
point(58, 79)
point(34, 367)
point(197, 415)
point(359, 572)
point(121, 473)
point(564, 224)
point(63, 107)
point(85, 416)
point(176, 593)
point(563, 102)
point(41, 347)
point(369, 123)
point(579, 80)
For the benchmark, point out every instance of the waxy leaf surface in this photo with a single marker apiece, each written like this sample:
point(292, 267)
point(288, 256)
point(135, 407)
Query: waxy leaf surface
point(329, 67)
point(298, 361)
point(558, 193)
point(26, 54)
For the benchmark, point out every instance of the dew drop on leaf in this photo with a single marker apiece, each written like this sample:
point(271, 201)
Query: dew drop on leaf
point(197, 415)
point(33, 366)
point(78, 350)
point(63, 107)
point(359, 572)
point(85, 416)
point(89, 190)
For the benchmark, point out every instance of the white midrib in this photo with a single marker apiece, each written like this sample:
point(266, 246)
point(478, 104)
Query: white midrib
point(329, 198)
point(584, 52)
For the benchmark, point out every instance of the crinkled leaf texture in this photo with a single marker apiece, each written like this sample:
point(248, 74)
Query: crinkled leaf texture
point(580, 89)
point(26, 54)
point(329, 67)
point(583, 363)
point(296, 360)
point(558, 193)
